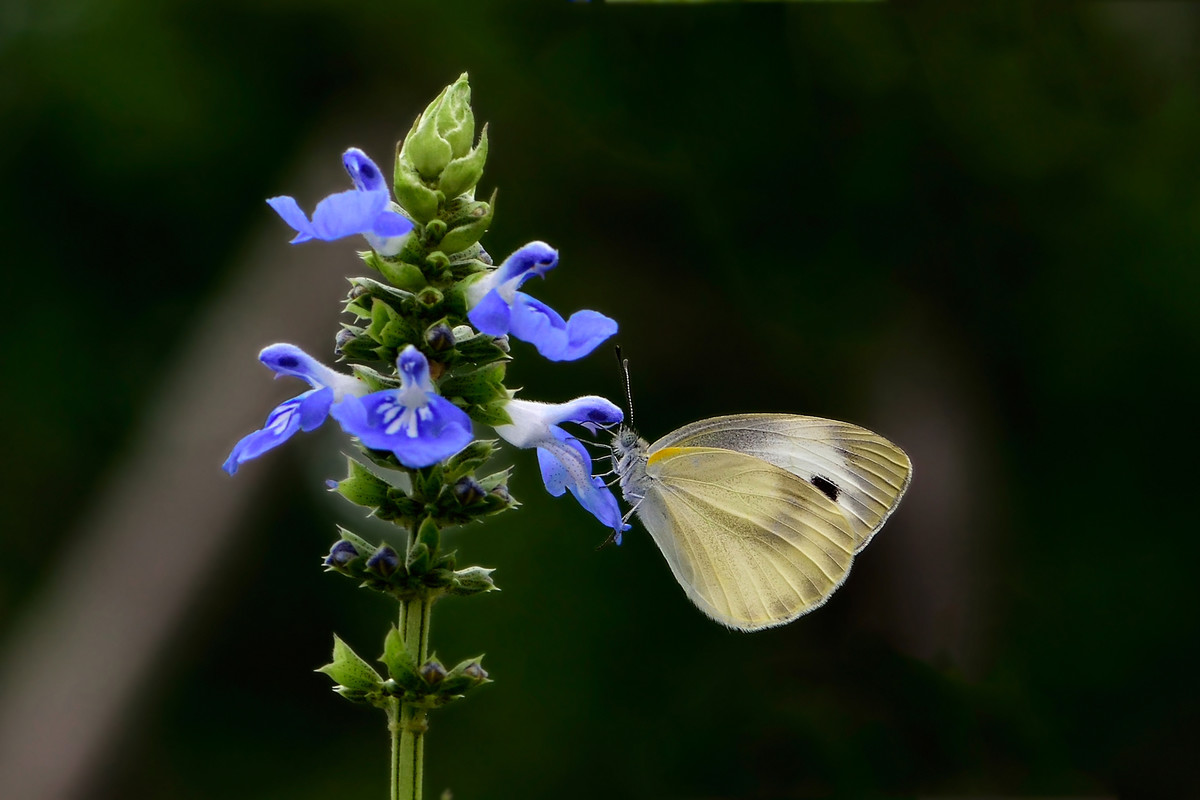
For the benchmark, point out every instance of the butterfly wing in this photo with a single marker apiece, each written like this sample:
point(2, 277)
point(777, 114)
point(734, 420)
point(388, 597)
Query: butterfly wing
point(863, 473)
point(752, 545)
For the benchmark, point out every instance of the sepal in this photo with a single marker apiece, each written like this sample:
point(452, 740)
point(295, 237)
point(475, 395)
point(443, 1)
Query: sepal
point(400, 274)
point(494, 413)
point(400, 665)
point(468, 225)
point(472, 580)
point(355, 678)
point(478, 386)
point(414, 195)
point(462, 174)
point(465, 675)
point(362, 487)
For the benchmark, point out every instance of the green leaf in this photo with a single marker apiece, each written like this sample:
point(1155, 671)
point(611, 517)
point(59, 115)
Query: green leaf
point(349, 670)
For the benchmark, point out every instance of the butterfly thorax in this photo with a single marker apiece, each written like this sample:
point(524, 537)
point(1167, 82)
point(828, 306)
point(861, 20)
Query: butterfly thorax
point(629, 459)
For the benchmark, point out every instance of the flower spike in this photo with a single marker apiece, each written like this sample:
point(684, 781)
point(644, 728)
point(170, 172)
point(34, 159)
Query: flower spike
point(366, 209)
point(304, 412)
point(414, 422)
point(497, 307)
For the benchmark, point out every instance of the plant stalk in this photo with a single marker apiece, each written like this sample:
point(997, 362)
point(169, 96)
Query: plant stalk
point(406, 722)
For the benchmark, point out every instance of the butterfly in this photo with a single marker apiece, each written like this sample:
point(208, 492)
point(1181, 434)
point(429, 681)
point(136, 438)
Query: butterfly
point(760, 515)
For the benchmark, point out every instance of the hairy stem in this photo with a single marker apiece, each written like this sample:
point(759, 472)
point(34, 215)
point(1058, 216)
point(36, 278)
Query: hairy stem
point(405, 721)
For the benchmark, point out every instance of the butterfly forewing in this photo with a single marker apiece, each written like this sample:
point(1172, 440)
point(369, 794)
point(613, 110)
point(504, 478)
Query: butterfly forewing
point(863, 473)
point(752, 544)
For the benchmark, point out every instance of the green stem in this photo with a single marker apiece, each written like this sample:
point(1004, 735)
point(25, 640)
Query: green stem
point(407, 722)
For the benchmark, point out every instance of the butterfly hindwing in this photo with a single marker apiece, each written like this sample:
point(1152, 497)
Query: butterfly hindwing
point(752, 544)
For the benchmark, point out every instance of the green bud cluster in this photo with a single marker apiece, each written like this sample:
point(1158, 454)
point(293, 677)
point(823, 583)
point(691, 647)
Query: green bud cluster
point(424, 569)
point(426, 685)
point(436, 162)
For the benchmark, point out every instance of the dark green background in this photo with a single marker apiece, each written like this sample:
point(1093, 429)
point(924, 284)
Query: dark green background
point(977, 232)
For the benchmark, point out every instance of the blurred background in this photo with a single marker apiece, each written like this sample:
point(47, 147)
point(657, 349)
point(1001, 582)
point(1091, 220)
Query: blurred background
point(975, 231)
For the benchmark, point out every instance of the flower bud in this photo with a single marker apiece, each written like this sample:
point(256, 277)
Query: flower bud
point(468, 492)
point(475, 672)
point(384, 562)
point(345, 336)
point(433, 672)
point(341, 554)
point(439, 337)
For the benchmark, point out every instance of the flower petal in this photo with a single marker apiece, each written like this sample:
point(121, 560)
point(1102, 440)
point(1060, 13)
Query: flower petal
point(281, 425)
point(535, 258)
point(315, 408)
point(537, 323)
point(414, 369)
point(491, 315)
point(590, 411)
point(419, 435)
point(347, 213)
point(364, 173)
point(564, 462)
point(585, 331)
point(598, 500)
point(287, 208)
point(287, 359)
point(390, 224)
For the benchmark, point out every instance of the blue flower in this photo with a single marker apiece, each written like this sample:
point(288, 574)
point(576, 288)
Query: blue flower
point(565, 463)
point(497, 308)
point(365, 209)
point(414, 422)
point(304, 412)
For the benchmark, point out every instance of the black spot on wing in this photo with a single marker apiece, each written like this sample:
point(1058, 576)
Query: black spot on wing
point(826, 487)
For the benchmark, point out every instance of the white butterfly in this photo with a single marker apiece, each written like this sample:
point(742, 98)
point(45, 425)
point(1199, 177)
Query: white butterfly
point(760, 515)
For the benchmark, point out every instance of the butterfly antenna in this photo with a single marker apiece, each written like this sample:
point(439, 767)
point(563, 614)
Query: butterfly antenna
point(623, 363)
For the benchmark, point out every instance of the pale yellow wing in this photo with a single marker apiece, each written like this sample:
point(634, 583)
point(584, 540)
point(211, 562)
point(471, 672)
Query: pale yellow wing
point(752, 544)
point(864, 473)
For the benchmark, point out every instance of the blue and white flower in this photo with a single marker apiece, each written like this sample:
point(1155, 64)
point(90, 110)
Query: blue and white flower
point(304, 412)
point(365, 209)
point(565, 462)
point(414, 422)
point(497, 307)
